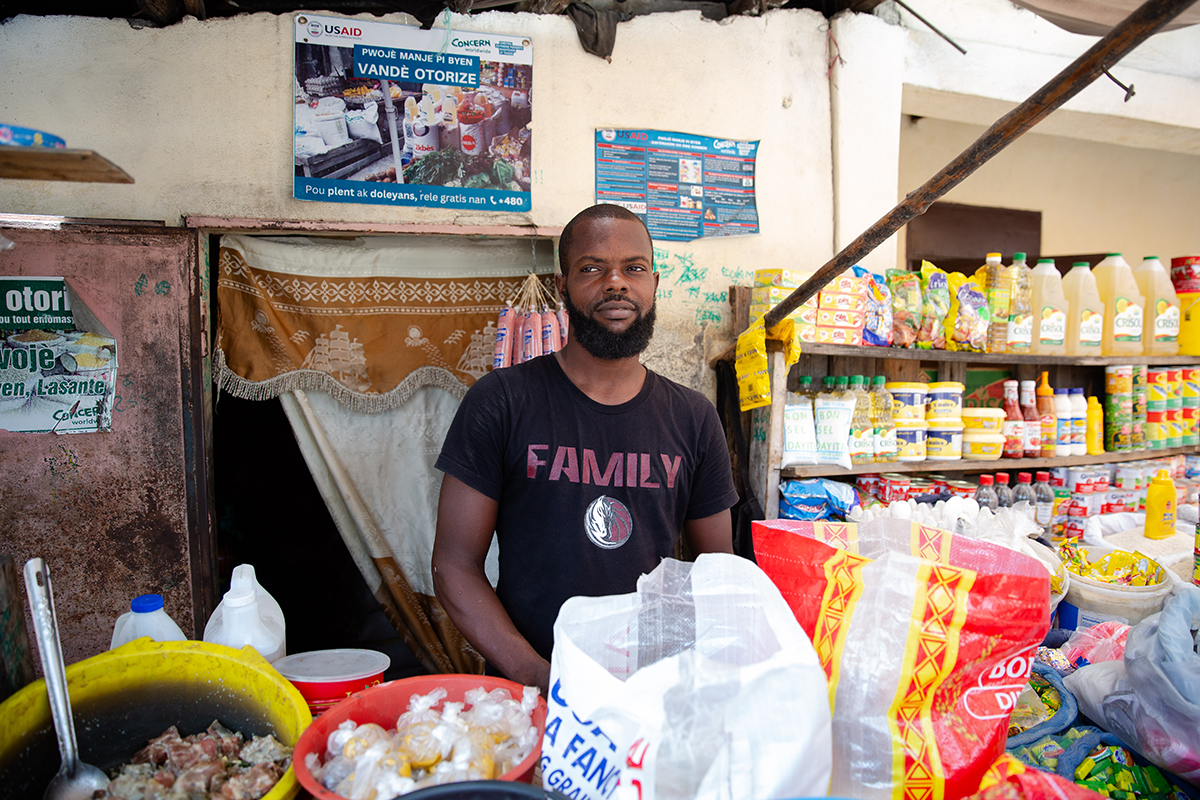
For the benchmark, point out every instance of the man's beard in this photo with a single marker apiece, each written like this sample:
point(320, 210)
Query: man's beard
point(603, 343)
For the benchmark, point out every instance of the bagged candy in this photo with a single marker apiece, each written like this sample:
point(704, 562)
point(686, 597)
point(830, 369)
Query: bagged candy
point(906, 306)
point(969, 318)
point(877, 327)
point(936, 291)
point(816, 498)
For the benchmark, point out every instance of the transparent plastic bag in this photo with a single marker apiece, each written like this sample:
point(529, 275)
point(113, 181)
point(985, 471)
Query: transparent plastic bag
point(1151, 699)
point(1099, 643)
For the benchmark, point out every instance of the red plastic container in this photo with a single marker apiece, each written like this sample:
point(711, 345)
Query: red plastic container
point(325, 678)
point(383, 704)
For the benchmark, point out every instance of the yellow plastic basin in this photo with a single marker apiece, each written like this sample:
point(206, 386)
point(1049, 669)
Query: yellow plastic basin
point(123, 698)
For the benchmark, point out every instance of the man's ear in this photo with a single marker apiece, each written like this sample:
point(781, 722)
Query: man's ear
point(560, 281)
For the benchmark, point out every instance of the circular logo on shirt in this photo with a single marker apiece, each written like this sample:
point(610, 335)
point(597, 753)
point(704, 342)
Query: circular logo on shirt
point(608, 523)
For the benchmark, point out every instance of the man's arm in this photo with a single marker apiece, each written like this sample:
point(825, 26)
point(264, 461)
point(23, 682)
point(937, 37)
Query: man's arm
point(710, 534)
point(465, 523)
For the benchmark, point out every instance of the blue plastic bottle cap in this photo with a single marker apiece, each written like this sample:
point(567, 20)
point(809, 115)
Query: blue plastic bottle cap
point(146, 603)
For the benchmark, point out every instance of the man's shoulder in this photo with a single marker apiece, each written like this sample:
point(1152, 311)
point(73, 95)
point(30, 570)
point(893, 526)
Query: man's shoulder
point(678, 392)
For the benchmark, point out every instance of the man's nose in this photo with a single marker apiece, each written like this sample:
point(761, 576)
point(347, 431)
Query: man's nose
point(614, 281)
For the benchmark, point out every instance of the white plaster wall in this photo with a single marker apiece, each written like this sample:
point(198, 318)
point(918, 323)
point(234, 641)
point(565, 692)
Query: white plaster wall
point(1094, 197)
point(867, 56)
point(200, 114)
point(1012, 52)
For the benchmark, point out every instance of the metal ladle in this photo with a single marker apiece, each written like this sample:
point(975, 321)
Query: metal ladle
point(75, 780)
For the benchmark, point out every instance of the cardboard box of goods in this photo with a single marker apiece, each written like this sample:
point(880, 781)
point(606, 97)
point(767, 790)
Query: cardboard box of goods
point(838, 335)
point(772, 295)
point(806, 333)
point(785, 278)
point(837, 318)
point(846, 284)
point(843, 301)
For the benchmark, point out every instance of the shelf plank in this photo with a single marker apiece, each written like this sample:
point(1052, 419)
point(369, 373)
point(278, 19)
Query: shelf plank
point(1003, 464)
point(59, 164)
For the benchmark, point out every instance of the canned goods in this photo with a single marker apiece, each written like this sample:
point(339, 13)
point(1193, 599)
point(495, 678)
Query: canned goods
point(869, 483)
point(1058, 477)
point(1157, 385)
point(1174, 383)
point(1140, 376)
point(961, 488)
point(920, 488)
point(1118, 379)
point(1185, 273)
point(893, 486)
point(1118, 436)
point(1139, 406)
point(1137, 436)
point(1191, 382)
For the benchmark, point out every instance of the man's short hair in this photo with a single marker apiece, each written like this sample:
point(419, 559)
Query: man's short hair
point(600, 211)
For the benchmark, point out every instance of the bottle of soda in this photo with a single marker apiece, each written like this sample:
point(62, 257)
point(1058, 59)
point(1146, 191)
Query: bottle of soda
point(1044, 496)
point(986, 495)
point(1004, 495)
point(1024, 491)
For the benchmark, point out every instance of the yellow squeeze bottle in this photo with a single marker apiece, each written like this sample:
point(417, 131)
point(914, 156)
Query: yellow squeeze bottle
point(1123, 307)
point(1049, 310)
point(1095, 427)
point(1085, 319)
point(1160, 326)
point(1160, 507)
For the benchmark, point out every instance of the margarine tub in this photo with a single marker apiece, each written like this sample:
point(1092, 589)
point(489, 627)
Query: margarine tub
point(908, 400)
point(910, 439)
point(982, 445)
point(983, 419)
point(944, 440)
point(945, 400)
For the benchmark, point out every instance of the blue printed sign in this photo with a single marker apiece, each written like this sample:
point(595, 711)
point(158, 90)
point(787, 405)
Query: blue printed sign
point(683, 186)
point(395, 115)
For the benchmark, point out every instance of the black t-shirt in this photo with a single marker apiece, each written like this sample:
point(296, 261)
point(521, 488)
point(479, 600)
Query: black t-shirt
point(591, 496)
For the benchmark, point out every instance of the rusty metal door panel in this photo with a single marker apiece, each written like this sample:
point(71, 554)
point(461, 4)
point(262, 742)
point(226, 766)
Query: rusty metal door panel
point(121, 513)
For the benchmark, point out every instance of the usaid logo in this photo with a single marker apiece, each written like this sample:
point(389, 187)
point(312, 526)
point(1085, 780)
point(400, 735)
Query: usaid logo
point(314, 28)
point(608, 135)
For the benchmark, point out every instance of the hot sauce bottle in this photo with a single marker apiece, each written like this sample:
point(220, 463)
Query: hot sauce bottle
point(1033, 420)
point(1014, 423)
point(1049, 417)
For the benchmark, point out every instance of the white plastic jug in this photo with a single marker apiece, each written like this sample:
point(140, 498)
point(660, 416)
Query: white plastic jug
point(145, 617)
point(268, 610)
point(243, 624)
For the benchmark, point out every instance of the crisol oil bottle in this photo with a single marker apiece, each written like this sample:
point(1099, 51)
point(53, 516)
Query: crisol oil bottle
point(1160, 326)
point(1123, 307)
point(1085, 319)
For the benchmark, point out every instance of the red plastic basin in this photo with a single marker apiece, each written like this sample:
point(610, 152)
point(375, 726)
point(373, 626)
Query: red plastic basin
point(384, 703)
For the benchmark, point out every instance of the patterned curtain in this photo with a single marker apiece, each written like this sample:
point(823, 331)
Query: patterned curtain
point(370, 344)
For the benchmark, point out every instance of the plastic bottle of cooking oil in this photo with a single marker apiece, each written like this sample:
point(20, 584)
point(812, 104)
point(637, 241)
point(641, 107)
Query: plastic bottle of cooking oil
point(998, 283)
point(1085, 319)
point(1160, 326)
point(145, 617)
point(1123, 307)
point(1049, 310)
point(862, 430)
point(248, 614)
point(1020, 306)
point(881, 417)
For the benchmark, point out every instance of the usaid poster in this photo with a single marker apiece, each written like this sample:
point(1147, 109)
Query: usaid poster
point(683, 186)
point(394, 115)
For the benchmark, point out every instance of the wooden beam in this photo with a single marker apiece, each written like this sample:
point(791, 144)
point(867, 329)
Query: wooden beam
point(1143, 23)
point(59, 164)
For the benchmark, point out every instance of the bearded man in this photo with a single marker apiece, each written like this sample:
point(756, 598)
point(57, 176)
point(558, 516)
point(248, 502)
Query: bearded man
point(586, 465)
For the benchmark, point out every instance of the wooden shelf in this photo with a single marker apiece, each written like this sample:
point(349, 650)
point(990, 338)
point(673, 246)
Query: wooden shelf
point(59, 164)
point(867, 351)
point(982, 359)
point(1002, 465)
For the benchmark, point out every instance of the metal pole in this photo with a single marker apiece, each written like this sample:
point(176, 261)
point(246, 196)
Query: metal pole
point(390, 110)
point(1143, 23)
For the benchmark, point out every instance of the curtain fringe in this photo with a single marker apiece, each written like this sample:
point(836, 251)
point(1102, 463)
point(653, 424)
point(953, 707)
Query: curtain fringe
point(317, 381)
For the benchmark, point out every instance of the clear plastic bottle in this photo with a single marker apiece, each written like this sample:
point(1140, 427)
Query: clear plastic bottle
point(145, 617)
point(1013, 426)
point(1020, 306)
point(1045, 500)
point(1049, 310)
point(986, 495)
point(1085, 320)
point(1123, 307)
point(1161, 318)
point(1079, 409)
point(998, 286)
point(806, 387)
point(1004, 495)
point(1064, 428)
point(1024, 492)
point(862, 430)
point(881, 418)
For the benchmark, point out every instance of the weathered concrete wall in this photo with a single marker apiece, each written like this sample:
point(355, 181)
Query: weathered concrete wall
point(200, 114)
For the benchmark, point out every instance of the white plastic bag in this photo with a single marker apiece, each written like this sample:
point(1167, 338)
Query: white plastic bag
point(365, 124)
point(699, 686)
